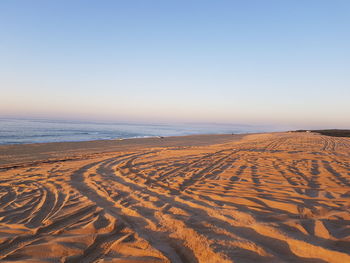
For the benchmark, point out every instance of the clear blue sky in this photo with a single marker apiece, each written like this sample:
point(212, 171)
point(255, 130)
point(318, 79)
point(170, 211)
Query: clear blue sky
point(266, 62)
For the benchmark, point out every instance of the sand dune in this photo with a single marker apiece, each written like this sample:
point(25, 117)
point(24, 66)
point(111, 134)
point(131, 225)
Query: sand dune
point(281, 197)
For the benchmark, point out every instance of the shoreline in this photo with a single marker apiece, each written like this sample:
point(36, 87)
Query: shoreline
point(133, 138)
point(14, 155)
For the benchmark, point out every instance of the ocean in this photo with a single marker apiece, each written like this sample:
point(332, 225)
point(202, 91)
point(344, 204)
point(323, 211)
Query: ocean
point(22, 131)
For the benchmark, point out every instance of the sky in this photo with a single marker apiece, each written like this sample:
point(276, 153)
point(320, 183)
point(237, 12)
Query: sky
point(252, 62)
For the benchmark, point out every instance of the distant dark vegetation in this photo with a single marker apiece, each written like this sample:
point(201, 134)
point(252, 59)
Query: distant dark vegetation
point(332, 132)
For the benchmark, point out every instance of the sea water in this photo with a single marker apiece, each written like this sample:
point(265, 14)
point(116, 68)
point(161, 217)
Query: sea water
point(20, 131)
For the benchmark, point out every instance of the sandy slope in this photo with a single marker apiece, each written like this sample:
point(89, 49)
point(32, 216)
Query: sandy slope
point(267, 198)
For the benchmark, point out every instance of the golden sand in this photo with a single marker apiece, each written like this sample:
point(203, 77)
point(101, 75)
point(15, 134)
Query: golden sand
point(282, 197)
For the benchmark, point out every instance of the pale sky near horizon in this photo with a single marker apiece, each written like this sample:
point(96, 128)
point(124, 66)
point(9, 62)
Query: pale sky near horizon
point(253, 62)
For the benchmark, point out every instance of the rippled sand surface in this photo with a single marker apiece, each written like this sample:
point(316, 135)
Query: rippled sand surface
point(265, 198)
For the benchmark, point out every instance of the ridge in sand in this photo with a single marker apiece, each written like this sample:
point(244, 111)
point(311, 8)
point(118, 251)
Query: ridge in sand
point(281, 197)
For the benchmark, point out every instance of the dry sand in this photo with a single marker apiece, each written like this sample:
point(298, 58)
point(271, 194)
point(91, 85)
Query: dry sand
point(280, 197)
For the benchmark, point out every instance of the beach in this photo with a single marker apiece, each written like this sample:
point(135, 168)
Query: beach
point(269, 197)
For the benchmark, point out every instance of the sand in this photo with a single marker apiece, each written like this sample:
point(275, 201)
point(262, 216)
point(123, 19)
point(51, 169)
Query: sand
point(281, 197)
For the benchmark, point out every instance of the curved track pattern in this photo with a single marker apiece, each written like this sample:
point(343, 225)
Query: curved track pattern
point(267, 198)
